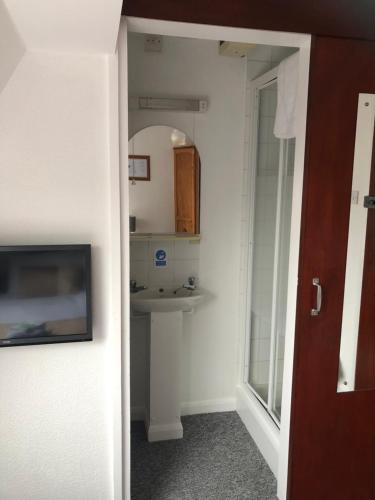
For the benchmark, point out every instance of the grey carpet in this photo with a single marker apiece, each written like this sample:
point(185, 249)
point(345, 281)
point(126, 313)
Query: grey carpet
point(216, 460)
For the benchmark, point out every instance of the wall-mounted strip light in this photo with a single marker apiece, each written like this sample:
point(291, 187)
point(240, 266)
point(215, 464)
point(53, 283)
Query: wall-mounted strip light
point(173, 104)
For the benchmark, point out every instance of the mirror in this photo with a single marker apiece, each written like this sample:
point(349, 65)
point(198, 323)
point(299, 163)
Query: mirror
point(164, 182)
point(357, 348)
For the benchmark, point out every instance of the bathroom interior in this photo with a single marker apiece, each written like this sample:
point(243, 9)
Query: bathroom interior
point(211, 172)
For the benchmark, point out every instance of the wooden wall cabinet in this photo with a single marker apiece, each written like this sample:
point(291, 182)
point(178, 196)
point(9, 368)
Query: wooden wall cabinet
point(187, 189)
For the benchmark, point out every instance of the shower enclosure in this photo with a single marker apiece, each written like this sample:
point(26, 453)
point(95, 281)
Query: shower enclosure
point(271, 184)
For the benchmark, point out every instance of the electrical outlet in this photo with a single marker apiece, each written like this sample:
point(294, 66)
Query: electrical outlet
point(153, 43)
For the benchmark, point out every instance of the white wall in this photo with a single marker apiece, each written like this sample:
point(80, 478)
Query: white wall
point(152, 202)
point(11, 46)
point(193, 67)
point(72, 25)
point(55, 415)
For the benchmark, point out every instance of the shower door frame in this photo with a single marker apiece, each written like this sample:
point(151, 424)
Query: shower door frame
point(258, 84)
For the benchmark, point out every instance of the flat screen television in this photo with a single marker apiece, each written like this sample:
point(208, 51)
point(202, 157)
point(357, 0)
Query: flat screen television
point(45, 294)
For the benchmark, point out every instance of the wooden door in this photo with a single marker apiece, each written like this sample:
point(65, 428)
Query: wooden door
point(186, 181)
point(332, 446)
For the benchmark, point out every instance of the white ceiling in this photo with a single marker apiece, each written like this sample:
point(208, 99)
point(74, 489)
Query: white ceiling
point(84, 26)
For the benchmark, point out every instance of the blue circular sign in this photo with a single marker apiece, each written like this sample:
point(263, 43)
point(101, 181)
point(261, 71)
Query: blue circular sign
point(161, 255)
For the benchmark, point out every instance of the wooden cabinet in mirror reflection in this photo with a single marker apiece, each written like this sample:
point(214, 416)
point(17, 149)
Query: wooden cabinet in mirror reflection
point(187, 189)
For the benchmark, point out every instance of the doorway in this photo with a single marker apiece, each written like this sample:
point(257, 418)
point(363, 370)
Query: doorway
point(214, 33)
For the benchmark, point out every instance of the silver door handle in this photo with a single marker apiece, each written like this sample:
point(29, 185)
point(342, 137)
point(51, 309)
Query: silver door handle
point(319, 297)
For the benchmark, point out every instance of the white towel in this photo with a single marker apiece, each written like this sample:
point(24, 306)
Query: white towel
point(287, 88)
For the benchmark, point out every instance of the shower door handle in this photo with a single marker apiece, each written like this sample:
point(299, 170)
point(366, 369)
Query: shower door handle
point(319, 297)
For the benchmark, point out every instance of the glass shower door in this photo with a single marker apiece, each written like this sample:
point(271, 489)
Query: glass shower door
point(272, 197)
point(264, 242)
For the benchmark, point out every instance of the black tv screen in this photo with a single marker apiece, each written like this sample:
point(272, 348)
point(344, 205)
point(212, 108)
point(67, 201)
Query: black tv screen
point(45, 294)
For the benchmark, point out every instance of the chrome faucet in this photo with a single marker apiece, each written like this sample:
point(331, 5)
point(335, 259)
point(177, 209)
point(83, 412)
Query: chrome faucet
point(190, 285)
point(134, 288)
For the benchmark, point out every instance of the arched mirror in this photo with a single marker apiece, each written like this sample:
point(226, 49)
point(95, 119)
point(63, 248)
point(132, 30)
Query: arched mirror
point(164, 182)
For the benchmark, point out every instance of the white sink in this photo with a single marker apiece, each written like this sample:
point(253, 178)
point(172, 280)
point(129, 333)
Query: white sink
point(165, 300)
point(166, 307)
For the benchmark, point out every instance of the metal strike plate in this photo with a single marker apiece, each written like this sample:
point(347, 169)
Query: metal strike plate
point(369, 202)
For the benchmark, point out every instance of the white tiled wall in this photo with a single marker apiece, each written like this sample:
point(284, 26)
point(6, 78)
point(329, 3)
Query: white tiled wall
point(182, 262)
point(262, 58)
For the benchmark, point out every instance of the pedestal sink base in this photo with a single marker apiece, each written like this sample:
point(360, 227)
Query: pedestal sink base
point(165, 432)
point(164, 413)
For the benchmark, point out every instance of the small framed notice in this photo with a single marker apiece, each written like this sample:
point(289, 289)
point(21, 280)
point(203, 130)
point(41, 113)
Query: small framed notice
point(139, 168)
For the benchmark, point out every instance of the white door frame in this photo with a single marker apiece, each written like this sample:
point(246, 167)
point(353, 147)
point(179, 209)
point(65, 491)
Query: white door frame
point(209, 32)
point(123, 435)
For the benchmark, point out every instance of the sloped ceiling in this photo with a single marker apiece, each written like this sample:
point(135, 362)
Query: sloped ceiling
point(12, 47)
point(83, 26)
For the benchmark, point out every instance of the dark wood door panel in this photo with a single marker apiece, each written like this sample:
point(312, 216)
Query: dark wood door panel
point(341, 18)
point(332, 435)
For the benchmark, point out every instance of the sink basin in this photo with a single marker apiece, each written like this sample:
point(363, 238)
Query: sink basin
point(165, 300)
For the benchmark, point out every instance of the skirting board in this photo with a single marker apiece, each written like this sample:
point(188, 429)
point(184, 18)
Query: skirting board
point(208, 406)
point(193, 407)
point(260, 426)
point(165, 432)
